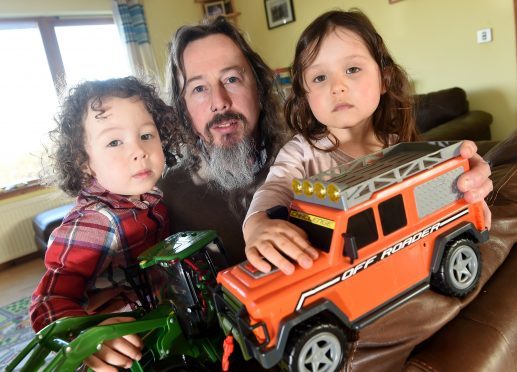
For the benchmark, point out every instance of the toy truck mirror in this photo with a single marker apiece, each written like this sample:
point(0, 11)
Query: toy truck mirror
point(350, 247)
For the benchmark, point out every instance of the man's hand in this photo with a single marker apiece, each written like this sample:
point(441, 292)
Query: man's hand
point(119, 352)
point(475, 184)
point(272, 239)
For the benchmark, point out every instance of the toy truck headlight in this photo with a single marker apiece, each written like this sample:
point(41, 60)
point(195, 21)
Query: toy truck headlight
point(320, 190)
point(297, 186)
point(308, 189)
point(333, 192)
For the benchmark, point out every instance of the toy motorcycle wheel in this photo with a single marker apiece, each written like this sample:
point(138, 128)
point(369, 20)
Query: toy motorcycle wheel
point(315, 347)
point(459, 270)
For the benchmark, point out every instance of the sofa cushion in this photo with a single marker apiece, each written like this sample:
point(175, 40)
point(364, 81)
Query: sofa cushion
point(483, 337)
point(436, 108)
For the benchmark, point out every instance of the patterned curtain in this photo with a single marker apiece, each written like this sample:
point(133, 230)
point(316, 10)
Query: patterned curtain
point(130, 19)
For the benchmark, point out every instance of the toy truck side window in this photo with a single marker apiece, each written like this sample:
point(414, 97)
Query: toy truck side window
point(392, 214)
point(362, 227)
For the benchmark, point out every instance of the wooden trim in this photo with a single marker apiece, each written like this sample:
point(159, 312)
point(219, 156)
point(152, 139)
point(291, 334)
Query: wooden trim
point(21, 260)
point(21, 191)
point(55, 62)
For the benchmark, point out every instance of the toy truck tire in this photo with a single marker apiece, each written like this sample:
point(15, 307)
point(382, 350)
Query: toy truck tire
point(459, 270)
point(315, 346)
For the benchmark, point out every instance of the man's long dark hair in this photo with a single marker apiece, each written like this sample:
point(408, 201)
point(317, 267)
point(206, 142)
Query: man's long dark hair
point(272, 130)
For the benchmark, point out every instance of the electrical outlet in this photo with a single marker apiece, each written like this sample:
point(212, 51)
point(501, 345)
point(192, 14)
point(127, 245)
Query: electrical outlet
point(484, 35)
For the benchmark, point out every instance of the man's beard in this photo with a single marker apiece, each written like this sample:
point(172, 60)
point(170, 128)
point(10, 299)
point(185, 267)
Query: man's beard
point(230, 164)
point(231, 167)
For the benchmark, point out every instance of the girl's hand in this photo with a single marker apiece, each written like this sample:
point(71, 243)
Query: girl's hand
point(475, 184)
point(273, 240)
point(119, 352)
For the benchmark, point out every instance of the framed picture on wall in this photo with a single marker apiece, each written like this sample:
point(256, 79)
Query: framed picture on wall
point(214, 9)
point(279, 12)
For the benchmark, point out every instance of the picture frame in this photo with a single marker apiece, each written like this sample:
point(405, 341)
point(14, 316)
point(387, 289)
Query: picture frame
point(214, 9)
point(279, 12)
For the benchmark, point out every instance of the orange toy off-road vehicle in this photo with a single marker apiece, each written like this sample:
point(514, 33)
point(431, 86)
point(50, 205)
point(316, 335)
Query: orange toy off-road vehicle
point(388, 226)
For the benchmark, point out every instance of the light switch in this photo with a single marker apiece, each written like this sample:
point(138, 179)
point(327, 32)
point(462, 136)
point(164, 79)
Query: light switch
point(484, 35)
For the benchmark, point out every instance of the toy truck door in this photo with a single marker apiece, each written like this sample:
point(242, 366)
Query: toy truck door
point(388, 262)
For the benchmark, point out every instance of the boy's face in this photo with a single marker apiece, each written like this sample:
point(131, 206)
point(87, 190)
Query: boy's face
point(123, 146)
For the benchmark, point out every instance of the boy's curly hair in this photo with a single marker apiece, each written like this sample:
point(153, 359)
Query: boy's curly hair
point(68, 156)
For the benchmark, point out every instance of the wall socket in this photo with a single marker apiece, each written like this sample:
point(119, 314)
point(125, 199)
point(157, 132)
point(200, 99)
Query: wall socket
point(484, 35)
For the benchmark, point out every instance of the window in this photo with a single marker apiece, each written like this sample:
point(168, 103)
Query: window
point(362, 227)
point(39, 57)
point(393, 215)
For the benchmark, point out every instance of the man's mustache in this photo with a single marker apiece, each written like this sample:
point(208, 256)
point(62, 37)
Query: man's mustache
point(229, 115)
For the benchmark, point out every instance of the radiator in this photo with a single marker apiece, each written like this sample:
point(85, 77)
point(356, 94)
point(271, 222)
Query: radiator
point(16, 231)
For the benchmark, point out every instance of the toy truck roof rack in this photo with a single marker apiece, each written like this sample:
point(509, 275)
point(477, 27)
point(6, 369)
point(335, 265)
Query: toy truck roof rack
point(349, 184)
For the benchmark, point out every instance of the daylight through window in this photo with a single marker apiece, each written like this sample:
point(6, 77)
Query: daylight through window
point(36, 54)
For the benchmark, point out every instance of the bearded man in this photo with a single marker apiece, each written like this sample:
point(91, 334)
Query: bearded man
point(223, 93)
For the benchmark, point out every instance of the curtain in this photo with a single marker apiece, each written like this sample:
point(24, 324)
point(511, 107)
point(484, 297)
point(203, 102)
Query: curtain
point(130, 19)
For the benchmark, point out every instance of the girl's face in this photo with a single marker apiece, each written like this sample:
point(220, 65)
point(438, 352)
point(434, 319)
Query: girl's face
point(343, 82)
point(123, 146)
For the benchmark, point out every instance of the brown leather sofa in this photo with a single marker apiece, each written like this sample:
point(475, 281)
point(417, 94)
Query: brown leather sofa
point(432, 332)
point(445, 115)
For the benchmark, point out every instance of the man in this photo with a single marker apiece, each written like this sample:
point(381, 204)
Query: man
point(223, 93)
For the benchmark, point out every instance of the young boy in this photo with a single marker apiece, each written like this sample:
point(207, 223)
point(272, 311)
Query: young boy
point(109, 154)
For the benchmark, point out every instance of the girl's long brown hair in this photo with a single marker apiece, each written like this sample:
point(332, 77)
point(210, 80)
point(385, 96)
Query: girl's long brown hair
point(394, 117)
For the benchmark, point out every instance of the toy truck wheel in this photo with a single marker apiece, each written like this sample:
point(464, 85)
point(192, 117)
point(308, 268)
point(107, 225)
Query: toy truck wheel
point(460, 269)
point(315, 347)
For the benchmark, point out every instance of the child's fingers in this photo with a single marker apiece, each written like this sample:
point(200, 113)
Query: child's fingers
point(256, 260)
point(271, 253)
point(299, 237)
point(133, 339)
point(97, 364)
point(119, 352)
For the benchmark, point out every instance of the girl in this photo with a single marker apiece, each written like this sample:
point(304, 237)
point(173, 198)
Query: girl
point(349, 98)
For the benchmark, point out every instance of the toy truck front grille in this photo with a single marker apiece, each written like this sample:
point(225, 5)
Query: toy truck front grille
point(234, 317)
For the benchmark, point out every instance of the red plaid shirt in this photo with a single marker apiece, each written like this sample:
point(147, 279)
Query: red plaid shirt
point(103, 233)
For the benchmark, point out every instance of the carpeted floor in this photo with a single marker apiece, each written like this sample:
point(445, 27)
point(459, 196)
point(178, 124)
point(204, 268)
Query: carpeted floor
point(15, 330)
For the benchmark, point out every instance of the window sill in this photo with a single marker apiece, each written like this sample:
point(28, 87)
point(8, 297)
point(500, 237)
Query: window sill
point(26, 188)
